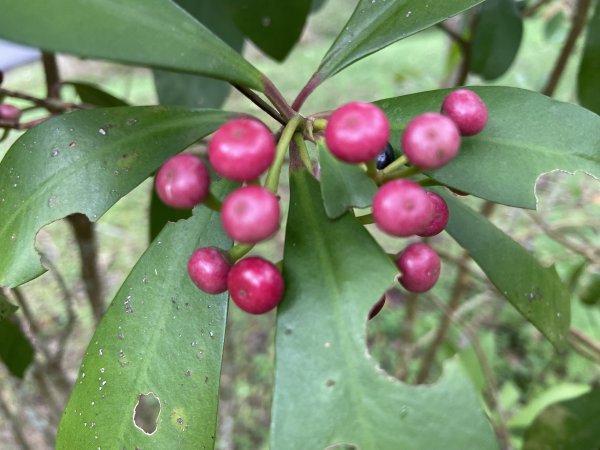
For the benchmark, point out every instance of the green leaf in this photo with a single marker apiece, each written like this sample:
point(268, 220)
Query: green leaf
point(160, 335)
point(343, 185)
point(535, 291)
point(93, 95)
point(154, 33)
point(84, 162)
point(274, 26)
point(161, 214)
point(377, 24)
point(7, 309)
point(496, 39)
point(527, 135)
point(15, 350)
point(196, 91)
point(572, 424)
point(588, 83)
point(334, 273)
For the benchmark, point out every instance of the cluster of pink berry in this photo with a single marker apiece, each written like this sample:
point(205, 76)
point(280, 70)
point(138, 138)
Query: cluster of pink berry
point(240, 150)
point(243, 149)
point(357, 132)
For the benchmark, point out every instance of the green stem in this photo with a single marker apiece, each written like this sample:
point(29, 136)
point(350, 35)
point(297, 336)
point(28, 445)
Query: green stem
point(319, 124)
point(212, 202)
point(398, 163)
point(304, 156)
point(400, 174)
point(366, 219)
point(272, 181)
point(371, 168)
point(239, 250)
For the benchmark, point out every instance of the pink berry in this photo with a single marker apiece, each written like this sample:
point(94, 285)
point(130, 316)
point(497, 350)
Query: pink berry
point(208, 268)
point(440, 216)
point(357, 132)
point(419, 266)
point(241, 149)
point(255, 285)
point(467, 110)
point(402, 208)
point(250, 214)
point(182, 182)
point(9, 112)
point(430, 140)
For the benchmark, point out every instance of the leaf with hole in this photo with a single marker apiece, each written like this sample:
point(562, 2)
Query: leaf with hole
point(536, 292)
point(343, 185)
point(375, 24)
point(153, 33)
point(527, 135)
point(588, 82)
point(84, 162)
point(7, 309)
point(161, 335)
point(496, 39)
point(334, 273)
point(16, 353)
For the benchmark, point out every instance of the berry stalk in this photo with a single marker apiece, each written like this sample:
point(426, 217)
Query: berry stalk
point(272, 181)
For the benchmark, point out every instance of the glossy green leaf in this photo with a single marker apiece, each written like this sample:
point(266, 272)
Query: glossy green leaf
point(327, 389)
point(16, 353)
point(377, 24)
point(588, 80)
point(536, 292)
point(343, 185)
point(527, 135)
point(161, 335)
point(273, 25)
point(7, 309)
point(84, 162)
point(155, 33)
point(161, 214)
point(496, 39)
point(192, 90)
point(93, 95)
point(572, 424)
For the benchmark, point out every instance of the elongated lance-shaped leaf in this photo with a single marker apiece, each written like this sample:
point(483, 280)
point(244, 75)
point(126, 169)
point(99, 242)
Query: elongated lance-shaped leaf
point(84, 162)
point(16, 352)
point(161, 335)
point(324, 380)
point(588, 81)
point(527, 135)
point(536, 292)
point(343, 185)
point(496, 39)
point(7, 309)
point(155, 33)
point(376, 24)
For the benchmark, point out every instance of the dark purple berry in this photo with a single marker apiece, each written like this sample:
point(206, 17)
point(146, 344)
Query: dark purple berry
point(385, 158)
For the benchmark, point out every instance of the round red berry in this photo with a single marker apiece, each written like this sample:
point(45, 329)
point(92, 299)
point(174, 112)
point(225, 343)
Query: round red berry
point(208, 268)
point(402, 208)
point(241, 149)
point(440, 216)
point(430, 140)
point(419, 267)
point(9, 112)
point(357, 132)
point(467, 110)
point(255, 285)
point(182, 182)
point(250, 214)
